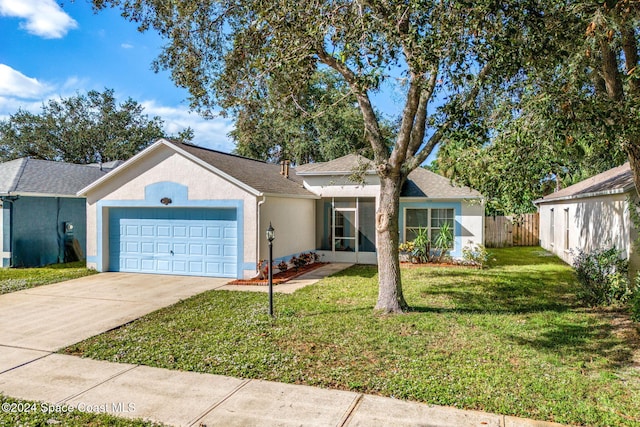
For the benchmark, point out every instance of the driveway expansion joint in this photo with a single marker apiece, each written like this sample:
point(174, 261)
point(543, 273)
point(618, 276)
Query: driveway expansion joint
point(220, 402)
point(49, 353)
point(80, 393)
point(348, 415)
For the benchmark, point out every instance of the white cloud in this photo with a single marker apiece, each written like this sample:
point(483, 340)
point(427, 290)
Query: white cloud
point(18, 91)
point(15, 84)
point(126, 46)
point(209, 133)
point(42, 18)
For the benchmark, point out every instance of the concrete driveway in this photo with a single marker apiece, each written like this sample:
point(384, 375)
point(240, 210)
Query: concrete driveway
point(51, 317)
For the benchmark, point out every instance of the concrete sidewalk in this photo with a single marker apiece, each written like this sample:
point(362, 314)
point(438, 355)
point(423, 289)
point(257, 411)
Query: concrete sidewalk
point(294, 284)
point(193, 399)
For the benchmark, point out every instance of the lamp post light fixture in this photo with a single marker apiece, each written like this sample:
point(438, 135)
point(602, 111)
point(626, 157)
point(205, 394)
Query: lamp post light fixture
point(270, 236)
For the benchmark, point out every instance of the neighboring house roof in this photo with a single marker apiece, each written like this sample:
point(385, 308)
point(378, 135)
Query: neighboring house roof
point(344, 165)
point(420, 183)
point(614, 181)
point(255, 176)
point(43, 177)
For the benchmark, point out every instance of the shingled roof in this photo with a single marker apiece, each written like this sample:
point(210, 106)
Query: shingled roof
point(261, 176)
point(420, 183)
point(614, 181)
point(43, 177)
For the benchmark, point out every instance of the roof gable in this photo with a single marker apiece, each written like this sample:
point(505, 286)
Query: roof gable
point(31, 176)
point(340, 166)
point(424, 183)
point(420, 182)
point(613, 181)
point(254, 176)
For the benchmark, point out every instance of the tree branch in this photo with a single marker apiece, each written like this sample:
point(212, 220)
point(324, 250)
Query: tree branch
point(630, 49)
point(419, 128)
point(422, 155)
point(371, 125)
point(400, 151)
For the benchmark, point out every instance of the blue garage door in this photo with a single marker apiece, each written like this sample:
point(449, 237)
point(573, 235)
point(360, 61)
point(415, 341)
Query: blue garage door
point(196, 242)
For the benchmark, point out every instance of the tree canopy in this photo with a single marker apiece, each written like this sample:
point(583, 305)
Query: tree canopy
point(568, 115)
point(81, 129)
point(227, 51)
point(318, 122)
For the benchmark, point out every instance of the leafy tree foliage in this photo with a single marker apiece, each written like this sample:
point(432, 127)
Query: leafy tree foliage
point(80, 129)
point(572, 113)
point(317, 123)
point(227, 51)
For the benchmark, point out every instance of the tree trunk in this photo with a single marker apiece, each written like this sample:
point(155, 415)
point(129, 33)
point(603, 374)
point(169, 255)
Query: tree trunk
point(390, 298)
point(632, 148)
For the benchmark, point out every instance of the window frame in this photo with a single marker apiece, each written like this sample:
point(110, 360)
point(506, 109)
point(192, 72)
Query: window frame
point(429, 226)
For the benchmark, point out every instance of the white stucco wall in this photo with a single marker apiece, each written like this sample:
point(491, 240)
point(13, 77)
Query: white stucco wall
point(165, 165)
point(472, 222)
point(594, 223)
point(294, 223)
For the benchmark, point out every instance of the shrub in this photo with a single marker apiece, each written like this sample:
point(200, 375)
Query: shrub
point(476, 255)
point(298, 261)
point(283, 266)
point(634, 305)
point(603, 275)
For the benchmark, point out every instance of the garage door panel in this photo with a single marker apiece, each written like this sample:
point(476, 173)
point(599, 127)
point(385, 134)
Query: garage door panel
point(214, 232)
point(179, 231)
point(230, 251)
point(196, 231)
point(163, 266)
point(147, 248)
point(230, 233)
point(174, 241)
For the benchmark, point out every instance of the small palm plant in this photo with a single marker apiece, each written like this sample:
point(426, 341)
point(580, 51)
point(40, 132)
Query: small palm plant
point(422, 245)
point(443, 241)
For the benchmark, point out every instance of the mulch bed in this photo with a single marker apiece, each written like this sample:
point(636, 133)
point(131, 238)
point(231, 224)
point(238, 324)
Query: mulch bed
point(280, 277)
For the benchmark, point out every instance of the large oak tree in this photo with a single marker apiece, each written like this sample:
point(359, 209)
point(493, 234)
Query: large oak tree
point(224, 51)
point(572, 113)
point(85, 128)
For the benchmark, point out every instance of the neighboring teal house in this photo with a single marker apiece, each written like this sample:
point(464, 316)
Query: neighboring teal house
point(41, 214)
point(176, 208)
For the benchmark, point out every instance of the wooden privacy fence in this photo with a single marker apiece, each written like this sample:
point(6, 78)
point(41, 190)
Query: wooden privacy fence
point(516, 230)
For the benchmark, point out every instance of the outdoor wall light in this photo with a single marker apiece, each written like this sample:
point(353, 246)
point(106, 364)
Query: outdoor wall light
point(271, 233)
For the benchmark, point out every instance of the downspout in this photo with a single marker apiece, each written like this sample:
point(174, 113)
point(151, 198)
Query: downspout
point(10, 199)
point(258, 232)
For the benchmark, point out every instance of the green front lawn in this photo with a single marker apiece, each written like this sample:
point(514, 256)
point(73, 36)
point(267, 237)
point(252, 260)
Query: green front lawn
point(16, 279)
point(511, 339)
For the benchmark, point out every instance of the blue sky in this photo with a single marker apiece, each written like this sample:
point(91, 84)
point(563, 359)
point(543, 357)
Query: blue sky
point(53, 50)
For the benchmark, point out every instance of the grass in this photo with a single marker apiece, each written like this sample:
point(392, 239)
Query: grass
point(511, 339)
point(27, 413)
point(16, 279)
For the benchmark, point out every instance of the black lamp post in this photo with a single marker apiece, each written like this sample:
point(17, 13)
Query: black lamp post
point(270, 236)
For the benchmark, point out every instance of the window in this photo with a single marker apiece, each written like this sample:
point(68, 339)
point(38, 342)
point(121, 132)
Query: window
point(431, 219)
point(415, 219)
point(566, 229)
point(440, 217)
